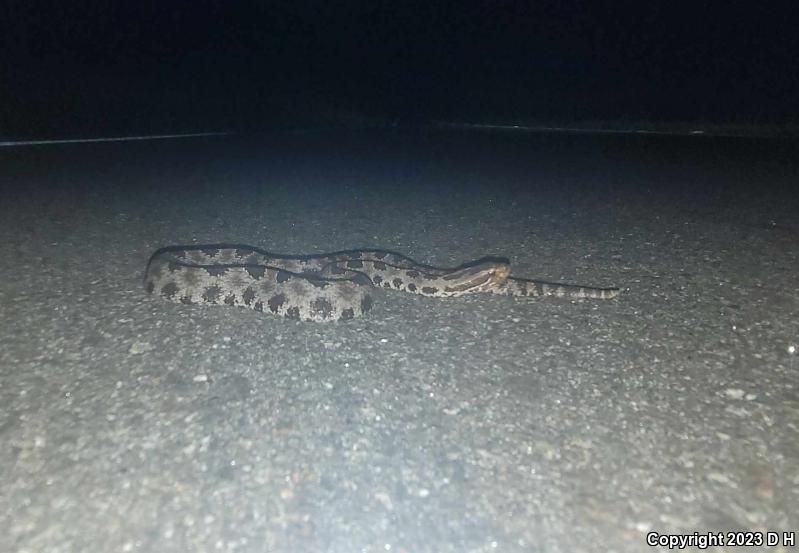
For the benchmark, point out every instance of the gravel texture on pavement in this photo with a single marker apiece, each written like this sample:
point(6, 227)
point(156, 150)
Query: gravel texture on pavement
point(128, 423)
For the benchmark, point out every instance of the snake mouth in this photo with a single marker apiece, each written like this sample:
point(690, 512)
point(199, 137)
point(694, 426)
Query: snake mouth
point(477, 278)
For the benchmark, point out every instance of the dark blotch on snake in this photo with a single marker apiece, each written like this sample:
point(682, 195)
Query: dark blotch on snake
point(256, 272)
point(275, 302)
point(323, 307)
point(169, 290)
point(248, 295)
point(293, 313)
point(212, 293)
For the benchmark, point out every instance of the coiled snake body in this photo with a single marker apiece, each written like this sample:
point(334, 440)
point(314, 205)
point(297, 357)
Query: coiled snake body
point(327, 287)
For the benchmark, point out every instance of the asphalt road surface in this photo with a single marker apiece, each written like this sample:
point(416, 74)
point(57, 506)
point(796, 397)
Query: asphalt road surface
point(128, 423)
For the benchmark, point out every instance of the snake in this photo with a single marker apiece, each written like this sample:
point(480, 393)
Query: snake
point(333, 286)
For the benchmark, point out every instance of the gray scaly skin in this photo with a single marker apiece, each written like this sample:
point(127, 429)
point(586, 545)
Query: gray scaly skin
point(327, 287)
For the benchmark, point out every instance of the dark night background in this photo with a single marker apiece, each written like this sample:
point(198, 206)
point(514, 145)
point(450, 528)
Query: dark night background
point(96, 67)
point(481, 424)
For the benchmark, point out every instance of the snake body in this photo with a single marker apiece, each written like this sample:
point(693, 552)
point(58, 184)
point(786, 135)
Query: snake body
point(327, 287)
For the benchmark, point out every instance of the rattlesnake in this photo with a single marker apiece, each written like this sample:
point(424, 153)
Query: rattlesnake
point(326, 287)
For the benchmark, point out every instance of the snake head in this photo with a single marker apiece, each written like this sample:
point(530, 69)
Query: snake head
point(482, 276)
